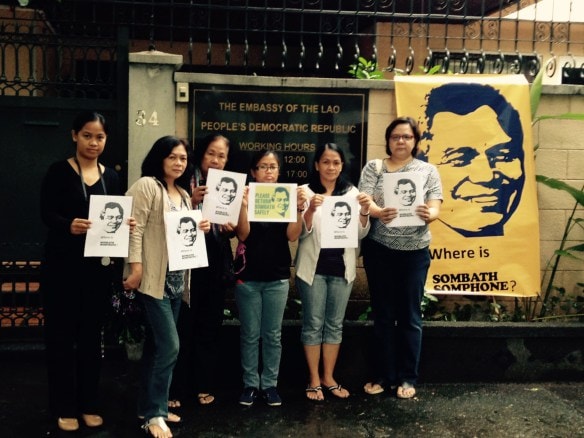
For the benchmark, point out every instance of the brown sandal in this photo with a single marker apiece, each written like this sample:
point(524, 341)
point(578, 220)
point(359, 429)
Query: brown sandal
point(406, 390)
point(205, 399)
point(174, 404)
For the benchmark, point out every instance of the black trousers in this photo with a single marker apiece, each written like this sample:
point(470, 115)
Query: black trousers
point(75, 298)
point(199, 329)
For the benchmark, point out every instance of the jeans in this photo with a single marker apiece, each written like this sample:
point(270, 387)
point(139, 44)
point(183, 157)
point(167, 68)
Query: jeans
point(261, 307)
point(160, 354)
point(323, 309)
point(396, 285)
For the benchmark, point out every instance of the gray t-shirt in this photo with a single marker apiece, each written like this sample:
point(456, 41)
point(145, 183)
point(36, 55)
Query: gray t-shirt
point(400, 238)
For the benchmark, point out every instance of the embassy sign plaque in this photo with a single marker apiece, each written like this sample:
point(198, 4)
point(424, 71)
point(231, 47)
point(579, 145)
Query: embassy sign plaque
point(292, 122)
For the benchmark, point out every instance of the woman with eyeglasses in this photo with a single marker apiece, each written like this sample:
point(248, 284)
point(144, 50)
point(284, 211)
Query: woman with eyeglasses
point(324, 276)
point(262, 288)
point(396, 261)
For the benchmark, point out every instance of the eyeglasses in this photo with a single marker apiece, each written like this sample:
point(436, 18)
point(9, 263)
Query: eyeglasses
point(265, 167)
point(406, 137)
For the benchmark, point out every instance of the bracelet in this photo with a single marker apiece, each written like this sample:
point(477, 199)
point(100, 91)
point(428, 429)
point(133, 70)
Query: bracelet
point(365, 214)
point(300, 210)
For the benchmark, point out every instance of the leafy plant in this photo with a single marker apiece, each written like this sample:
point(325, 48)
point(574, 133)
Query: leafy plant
point(549, 301)
point(364, 69)
point(427, 302)
point(575, 251)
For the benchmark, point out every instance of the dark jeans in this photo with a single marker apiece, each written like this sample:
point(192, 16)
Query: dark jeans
point(75, 299)
point(396, 285)
point(160, 353)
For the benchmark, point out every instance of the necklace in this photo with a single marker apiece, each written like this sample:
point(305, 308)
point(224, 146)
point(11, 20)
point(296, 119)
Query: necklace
point(105, 261)
point(83, 181)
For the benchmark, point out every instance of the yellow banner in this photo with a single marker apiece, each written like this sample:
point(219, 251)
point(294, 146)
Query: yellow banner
point(477, 130)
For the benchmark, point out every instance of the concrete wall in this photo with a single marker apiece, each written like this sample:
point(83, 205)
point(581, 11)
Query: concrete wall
point(451, 352)
point(151, 104)
point(560, 154)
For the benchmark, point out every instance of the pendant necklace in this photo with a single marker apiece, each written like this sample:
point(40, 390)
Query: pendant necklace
point(105, 261)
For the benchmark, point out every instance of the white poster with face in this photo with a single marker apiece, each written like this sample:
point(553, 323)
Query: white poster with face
point(271, 202)
point(340, 222)
point(221, 205)
point(109, 234)
point(185, 242)
point(404, 191)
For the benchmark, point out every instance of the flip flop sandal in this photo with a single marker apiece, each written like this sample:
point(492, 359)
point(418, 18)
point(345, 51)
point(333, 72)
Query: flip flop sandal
point(173, 418)
point(374, 388)
point(314, 389)
point(205, 399)
point(174, 404)
point(401, 391)
point(155, 422)
point(337, 388)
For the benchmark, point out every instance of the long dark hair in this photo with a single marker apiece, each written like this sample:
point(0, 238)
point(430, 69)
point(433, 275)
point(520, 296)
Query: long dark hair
point(162, 148)
point(342, 184)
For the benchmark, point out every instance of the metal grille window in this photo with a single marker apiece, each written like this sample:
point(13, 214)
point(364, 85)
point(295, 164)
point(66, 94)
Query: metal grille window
point(68, 48)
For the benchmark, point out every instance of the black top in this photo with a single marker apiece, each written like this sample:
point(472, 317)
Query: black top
point(267, 253)
point(330, 262)
point(220, 258)
point(62, 200)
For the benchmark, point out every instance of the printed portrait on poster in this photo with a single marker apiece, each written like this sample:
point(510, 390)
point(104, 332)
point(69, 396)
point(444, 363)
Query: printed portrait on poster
point(109, 234)
point(403, 190)
point(184, 241)
point(272, 202)
point(340, 222)
point(223, 202)
point(476, 130)
point(478, 145)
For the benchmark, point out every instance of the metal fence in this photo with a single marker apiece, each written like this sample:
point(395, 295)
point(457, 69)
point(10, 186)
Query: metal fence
point(69, 49)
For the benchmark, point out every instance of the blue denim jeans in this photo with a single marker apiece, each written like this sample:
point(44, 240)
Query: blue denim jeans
point(261, 307)
point(160, 354)
point(323, 309)
point(396, 285)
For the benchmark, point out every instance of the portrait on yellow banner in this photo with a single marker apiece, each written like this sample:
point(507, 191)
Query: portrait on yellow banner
point(476, 129)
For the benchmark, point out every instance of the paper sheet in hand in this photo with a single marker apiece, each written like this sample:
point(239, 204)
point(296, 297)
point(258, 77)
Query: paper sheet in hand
point(272, 202)
point(340, 222)
point(404, 191)
point(185, 242)
point(223, 202)
point(109, 235)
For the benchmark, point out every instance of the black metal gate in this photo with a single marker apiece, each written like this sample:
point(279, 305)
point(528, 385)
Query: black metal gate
point(45, 80)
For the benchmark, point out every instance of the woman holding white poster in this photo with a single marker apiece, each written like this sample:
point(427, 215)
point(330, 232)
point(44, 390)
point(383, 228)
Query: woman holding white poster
point(324, 276)
point(75, 288)
point(396, 261)
point(200, 322)
point(262, 288)
point(163, 187)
